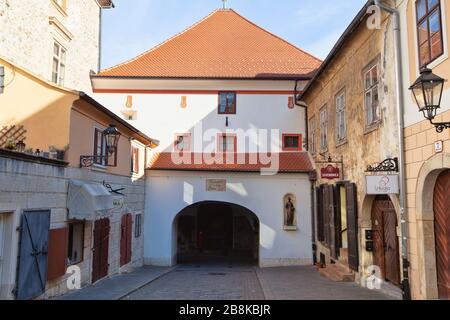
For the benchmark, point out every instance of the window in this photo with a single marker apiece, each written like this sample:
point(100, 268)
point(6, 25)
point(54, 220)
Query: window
point(138, 225)
point(76, 243)
point(323, 128)
point(182, 142)
point(292, 142)
point(2, 79)
point(227, 103)
point(371, 94)
point(312, 135)
point(227, 143)
point(135, 160)
point(341, 126)
point(99, 147)
point(429, 31)
point(59, 64)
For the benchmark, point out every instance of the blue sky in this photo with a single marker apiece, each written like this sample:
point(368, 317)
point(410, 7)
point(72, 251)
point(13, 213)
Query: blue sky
point(135, 26)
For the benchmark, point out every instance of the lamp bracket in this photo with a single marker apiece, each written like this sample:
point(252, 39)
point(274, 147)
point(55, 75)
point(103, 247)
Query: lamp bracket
point(440, 126)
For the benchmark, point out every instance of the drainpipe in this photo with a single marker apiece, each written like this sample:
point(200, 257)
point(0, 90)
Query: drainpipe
point(402, 174)
point(313, 190)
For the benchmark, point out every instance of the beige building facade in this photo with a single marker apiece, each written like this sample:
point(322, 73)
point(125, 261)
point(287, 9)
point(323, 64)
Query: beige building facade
point(353, 125)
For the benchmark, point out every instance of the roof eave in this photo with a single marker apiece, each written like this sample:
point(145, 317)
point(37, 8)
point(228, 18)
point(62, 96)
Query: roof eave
point(85, 97)
point(286, 78)
point(334, 51)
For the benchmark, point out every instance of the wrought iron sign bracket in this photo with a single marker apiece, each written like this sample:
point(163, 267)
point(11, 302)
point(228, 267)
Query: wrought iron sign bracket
point(440, 126)
point(89, 161)
point(115, 191)
point(388, 165)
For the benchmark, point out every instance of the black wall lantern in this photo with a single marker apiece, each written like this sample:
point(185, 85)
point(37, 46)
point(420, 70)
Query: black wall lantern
point(111, 136)
point(427, 92)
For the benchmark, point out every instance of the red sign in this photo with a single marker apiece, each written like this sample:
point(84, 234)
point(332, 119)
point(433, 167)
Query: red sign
point(330, 173)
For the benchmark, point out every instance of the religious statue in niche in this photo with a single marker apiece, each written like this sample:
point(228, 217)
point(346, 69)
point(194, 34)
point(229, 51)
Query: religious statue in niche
point(290, 212)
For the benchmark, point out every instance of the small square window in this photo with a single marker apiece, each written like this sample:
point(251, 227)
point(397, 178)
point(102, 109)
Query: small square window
point(227, 143)
point(182, 142)
point(76, 243)
point(292, 142)
point(227, 103)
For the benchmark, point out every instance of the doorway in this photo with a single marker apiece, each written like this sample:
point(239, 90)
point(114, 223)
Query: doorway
point(441, 208)
point(101, 249)
point(220, 232)
point(386, 252)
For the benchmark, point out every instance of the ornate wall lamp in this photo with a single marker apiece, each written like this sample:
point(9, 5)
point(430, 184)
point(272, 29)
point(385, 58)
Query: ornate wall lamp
point(111, 136)
point(427, 92)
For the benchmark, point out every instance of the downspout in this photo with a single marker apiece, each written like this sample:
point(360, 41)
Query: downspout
point(313, 190)
point(100, 16)
point(400, 111)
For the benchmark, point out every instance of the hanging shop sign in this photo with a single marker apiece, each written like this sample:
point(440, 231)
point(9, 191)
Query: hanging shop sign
point(382, 184)
point(330, 173)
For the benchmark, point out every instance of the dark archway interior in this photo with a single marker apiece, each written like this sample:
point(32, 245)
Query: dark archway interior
point(217, 232)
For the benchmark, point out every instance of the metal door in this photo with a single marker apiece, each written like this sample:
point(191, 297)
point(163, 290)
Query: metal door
point(32, 264)
point(441, 204)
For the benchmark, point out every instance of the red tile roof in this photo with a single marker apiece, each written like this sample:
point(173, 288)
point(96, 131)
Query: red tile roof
point(289, 162)
point(224, 45)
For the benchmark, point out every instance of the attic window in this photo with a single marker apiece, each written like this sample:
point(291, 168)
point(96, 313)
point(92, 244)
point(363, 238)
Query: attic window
point(227, 103)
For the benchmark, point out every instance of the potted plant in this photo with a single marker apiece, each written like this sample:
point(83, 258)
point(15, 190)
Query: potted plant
point(10, 145)
point(56, 153)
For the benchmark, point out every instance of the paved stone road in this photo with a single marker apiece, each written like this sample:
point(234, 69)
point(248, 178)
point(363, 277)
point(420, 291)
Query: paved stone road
point(220, 282)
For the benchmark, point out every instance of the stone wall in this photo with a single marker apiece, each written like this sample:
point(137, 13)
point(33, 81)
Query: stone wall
point(27, 37)
point(363, 146)
point(28, 185)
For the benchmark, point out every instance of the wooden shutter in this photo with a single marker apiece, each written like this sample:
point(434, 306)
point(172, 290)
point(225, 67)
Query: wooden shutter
point(326, 214)
point(320, 225)
point(352, 225)
point(57, 253)
point(335, 222)
point(125, 239)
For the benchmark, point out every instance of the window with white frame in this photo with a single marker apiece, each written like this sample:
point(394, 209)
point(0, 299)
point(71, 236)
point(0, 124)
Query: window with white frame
point(227, 143)
point(182, 142)
point(341, 126)
point(323, 128)
point(312, 135)
point(59, 64)
point(371, 94)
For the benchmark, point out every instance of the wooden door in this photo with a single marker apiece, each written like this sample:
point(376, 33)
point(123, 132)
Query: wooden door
point(441, 204)
point(101, 248)
point(125, 239)
point(386, 253)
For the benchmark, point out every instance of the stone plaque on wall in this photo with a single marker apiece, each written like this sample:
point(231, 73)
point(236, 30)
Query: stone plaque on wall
point(216, 185)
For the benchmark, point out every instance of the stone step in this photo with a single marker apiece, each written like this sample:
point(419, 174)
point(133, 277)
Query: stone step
point(337, 273)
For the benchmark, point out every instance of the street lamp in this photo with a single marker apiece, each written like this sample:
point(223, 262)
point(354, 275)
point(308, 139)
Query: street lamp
point(427, 90)
point(111, 136)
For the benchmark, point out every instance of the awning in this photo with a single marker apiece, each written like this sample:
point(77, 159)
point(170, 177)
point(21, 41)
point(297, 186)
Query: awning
point(86, 201)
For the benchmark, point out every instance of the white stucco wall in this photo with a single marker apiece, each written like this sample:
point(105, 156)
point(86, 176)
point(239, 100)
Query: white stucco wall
point(169, 192)
point(161, 115)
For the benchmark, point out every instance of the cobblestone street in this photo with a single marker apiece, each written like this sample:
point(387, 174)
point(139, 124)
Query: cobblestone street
point(220, 282)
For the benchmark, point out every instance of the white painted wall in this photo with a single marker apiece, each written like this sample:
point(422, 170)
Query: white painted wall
point(161, 116)
point(169, 192)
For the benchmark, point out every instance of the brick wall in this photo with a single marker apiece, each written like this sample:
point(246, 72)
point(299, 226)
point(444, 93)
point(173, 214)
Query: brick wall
point(28, 185)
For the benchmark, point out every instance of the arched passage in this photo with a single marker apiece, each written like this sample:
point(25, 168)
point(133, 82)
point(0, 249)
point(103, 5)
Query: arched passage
point(213, 231)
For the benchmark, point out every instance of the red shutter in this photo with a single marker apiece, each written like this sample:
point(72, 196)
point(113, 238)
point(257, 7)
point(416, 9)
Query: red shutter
point(129, 237)
point(57, 253)
point(125, 239)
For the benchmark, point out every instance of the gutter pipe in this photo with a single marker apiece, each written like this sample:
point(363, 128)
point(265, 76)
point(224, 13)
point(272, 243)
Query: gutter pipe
point(402, 172)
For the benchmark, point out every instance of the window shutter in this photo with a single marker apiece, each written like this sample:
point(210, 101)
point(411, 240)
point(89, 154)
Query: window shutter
point(334, 231)
point(352, 226)
point(57, 253)
point(326, 214)
point(320, 225)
